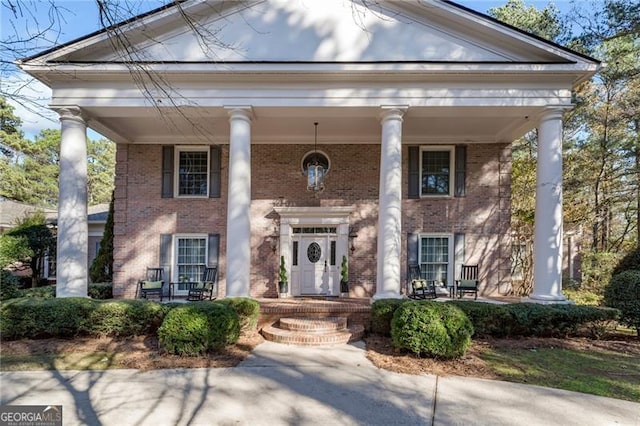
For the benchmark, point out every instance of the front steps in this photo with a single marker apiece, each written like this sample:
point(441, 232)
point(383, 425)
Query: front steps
point(313, 331)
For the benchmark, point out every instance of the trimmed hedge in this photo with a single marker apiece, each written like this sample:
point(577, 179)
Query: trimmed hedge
point(630, 262)
point(8, 285)
point(433, 329)
point(47, 292)
point(120, 318)
point(623, 293)
point(382, 311)
point(248, 311)
point(531, 319)
point(101, 291)
point(198, 328)
point(35, 318)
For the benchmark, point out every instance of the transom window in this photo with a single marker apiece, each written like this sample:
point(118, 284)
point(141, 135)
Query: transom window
point(190, 258)
point(436, 171)
point(436, 257)
point(192, 172)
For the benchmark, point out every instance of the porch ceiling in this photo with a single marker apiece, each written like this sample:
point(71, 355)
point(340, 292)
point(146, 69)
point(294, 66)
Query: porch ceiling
point(295, 125)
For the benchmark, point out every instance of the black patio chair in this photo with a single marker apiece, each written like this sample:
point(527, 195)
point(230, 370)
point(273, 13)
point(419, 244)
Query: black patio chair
point(418, 287)
point(153, 284)
point(468, 282)
point(207, 288)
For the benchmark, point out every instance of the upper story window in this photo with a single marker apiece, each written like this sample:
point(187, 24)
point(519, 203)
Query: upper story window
point(192, 172)
point(437, 171)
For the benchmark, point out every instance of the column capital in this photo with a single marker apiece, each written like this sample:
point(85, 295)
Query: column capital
point(243, 112)
point(553, 113)
point(70, 112)
point(392, 112)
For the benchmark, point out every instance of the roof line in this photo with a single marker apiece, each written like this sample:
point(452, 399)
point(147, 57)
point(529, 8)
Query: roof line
point(317, 62)
point(526, 33)
point(173, 3)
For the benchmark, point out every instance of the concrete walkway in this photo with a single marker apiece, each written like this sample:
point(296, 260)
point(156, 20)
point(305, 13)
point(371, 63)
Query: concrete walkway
point(289, 385)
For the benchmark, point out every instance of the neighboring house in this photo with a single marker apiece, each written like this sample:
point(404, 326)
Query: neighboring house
point(417, 104)
point(12, 211)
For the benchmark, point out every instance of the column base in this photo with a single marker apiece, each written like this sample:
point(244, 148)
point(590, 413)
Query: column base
point(387, 295)
point(547, 300)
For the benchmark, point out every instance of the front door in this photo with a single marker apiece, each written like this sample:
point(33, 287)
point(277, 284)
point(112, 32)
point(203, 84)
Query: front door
point(314, 262)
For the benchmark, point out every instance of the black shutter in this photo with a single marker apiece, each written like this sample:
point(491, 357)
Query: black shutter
point(461, 171)
point(458, 254)
point(412, 250)
point(414, 172)
point(214, 172)
point(167, 171)
point(214, 249)
point(165, 259)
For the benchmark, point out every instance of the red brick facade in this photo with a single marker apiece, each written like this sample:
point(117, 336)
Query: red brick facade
point(141, 215)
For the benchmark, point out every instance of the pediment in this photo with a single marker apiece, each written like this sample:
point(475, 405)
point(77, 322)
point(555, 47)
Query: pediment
point(315, 31)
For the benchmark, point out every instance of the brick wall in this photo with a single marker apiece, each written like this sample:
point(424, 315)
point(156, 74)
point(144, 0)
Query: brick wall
point(142, 215)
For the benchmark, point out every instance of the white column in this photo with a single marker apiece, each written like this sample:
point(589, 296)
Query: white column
point(390, 203)
point(73, 235)
point(547, 245)
point(239, 203)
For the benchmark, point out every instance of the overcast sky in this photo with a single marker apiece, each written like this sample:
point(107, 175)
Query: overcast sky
point(80, 17)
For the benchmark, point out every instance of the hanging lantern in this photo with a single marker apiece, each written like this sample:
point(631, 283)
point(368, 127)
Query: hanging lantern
point(315, 171)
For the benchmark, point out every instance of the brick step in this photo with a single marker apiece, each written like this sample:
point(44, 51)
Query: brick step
point(305, 338)
point(313, 325)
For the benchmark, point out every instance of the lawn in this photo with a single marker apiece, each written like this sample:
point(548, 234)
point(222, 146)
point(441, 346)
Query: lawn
point(604, 373)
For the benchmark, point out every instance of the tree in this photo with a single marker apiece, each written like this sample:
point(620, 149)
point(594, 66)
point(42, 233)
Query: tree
point(31, 241)
point(30, 168)
point(101, 269)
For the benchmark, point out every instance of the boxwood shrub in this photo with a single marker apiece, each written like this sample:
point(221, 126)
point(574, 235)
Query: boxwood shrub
point(433, 329)
point(101, 291)
point(121, 318)
point(382, 311)
point(35, 318)
point(623, 293)
point(248, 311)
point(198, 328)
point(531, 319)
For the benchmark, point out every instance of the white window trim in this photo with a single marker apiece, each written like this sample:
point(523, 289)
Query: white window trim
point(452, 172)
point(176, 169)
point(452, 261)
point(174, 252)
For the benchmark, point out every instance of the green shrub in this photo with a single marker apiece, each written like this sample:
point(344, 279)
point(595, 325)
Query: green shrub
point(630, 262)
point(623, 293)
point(137, 317)
point(198, 328)
point(8, 285)
point(101, 291)
point(434, 329)
point(248, 311)
point(583, 297)
point(382, 311)
point(48, 292)
point(35, 318)
point(530, 319)
point(488, 319)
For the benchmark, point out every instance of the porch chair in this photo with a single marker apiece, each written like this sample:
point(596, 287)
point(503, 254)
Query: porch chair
point(153, 284)
point(207, 288)
point(419, 288)
point(468, 282)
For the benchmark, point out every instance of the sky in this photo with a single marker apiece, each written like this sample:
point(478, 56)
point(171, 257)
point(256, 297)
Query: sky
point(80, 17)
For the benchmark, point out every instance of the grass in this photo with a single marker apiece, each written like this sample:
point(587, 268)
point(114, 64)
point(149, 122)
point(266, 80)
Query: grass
point(610, 374)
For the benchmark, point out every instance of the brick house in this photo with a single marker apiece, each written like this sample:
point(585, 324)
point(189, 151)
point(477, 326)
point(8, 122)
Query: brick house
point(417, 104)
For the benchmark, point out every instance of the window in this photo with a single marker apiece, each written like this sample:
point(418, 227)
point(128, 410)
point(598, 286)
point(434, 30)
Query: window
point(192, 172)
point(436, 171)
point(190, 258)
point(436, 257)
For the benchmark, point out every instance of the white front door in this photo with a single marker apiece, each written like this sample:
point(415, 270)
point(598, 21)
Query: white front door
point(314, 269)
